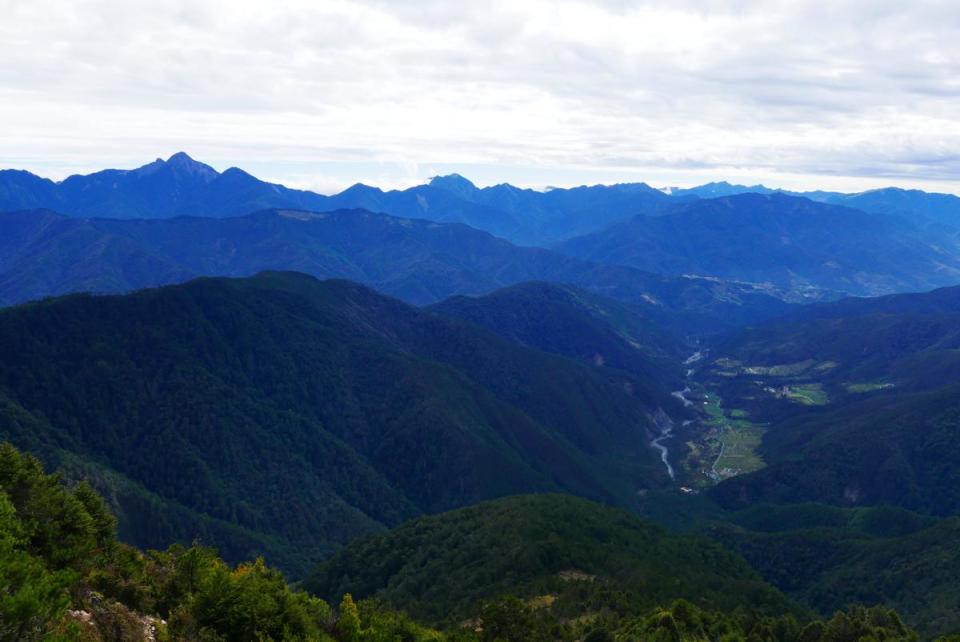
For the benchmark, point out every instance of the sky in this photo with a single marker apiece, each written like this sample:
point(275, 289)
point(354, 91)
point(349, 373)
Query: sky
point(321, 94)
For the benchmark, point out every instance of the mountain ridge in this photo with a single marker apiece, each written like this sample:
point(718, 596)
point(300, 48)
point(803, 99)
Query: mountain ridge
point(793, 243)
point(417, 260)
point(522, 215)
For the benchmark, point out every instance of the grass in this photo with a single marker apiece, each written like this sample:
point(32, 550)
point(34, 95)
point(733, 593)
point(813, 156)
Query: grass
point(740, 442)
point(810, 394)
point(713, 408)
point(727, 363)
point(731, 433)
point(780, 370)
point(867, 387)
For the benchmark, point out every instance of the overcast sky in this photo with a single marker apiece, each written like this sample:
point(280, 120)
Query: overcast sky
point(322, 93)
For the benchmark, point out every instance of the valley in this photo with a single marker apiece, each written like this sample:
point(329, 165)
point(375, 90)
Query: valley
point(714, 443)
point(733, 406)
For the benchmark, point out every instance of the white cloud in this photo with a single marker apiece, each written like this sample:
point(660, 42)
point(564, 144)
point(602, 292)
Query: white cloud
point(797, 94)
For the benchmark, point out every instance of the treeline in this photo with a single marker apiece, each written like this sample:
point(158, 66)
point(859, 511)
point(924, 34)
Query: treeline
point(65, 577)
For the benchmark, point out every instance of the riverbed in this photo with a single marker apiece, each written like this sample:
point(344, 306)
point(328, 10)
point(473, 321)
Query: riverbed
point(665, 424)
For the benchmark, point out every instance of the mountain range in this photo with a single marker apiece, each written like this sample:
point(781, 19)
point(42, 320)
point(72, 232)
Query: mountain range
point(796, 244)
point(43, 253)
point(182, 186)
point(177, 186)
point(912, 203)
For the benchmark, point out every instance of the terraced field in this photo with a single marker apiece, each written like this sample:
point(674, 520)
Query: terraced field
point(724, 443)
point(740, 442)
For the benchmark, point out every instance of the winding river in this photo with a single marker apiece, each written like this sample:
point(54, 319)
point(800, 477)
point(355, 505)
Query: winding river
point(665, 424)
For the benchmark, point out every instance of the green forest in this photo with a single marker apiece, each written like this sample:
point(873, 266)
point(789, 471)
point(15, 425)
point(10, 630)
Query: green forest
point(264, 447)
point(64, 576)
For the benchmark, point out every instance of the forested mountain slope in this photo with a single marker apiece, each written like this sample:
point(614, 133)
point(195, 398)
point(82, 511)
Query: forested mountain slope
point(887, 449)
point(287, 415)
point(880, 419)
point(579, 324)
point(905, 341)
point(65, 577)
point(442, 566)
point(829, 557)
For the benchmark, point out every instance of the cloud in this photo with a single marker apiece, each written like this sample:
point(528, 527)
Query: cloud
point(786, 92)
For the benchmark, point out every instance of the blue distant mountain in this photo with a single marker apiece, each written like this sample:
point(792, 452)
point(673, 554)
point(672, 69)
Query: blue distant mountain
point(162, 189)
point(793, 243)
point(881, 241)
point(717, 190)
point(937, 208)
point(182, 186)
point(523, 216)
point(914, 203)
point(43, 253)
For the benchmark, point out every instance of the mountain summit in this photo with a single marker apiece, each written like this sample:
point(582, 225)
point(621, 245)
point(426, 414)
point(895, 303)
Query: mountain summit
point(179, 167)
point(177, 186)
point(456, 184)
point(183, 163)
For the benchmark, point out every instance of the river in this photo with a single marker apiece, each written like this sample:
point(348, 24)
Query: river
point(665, 424)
